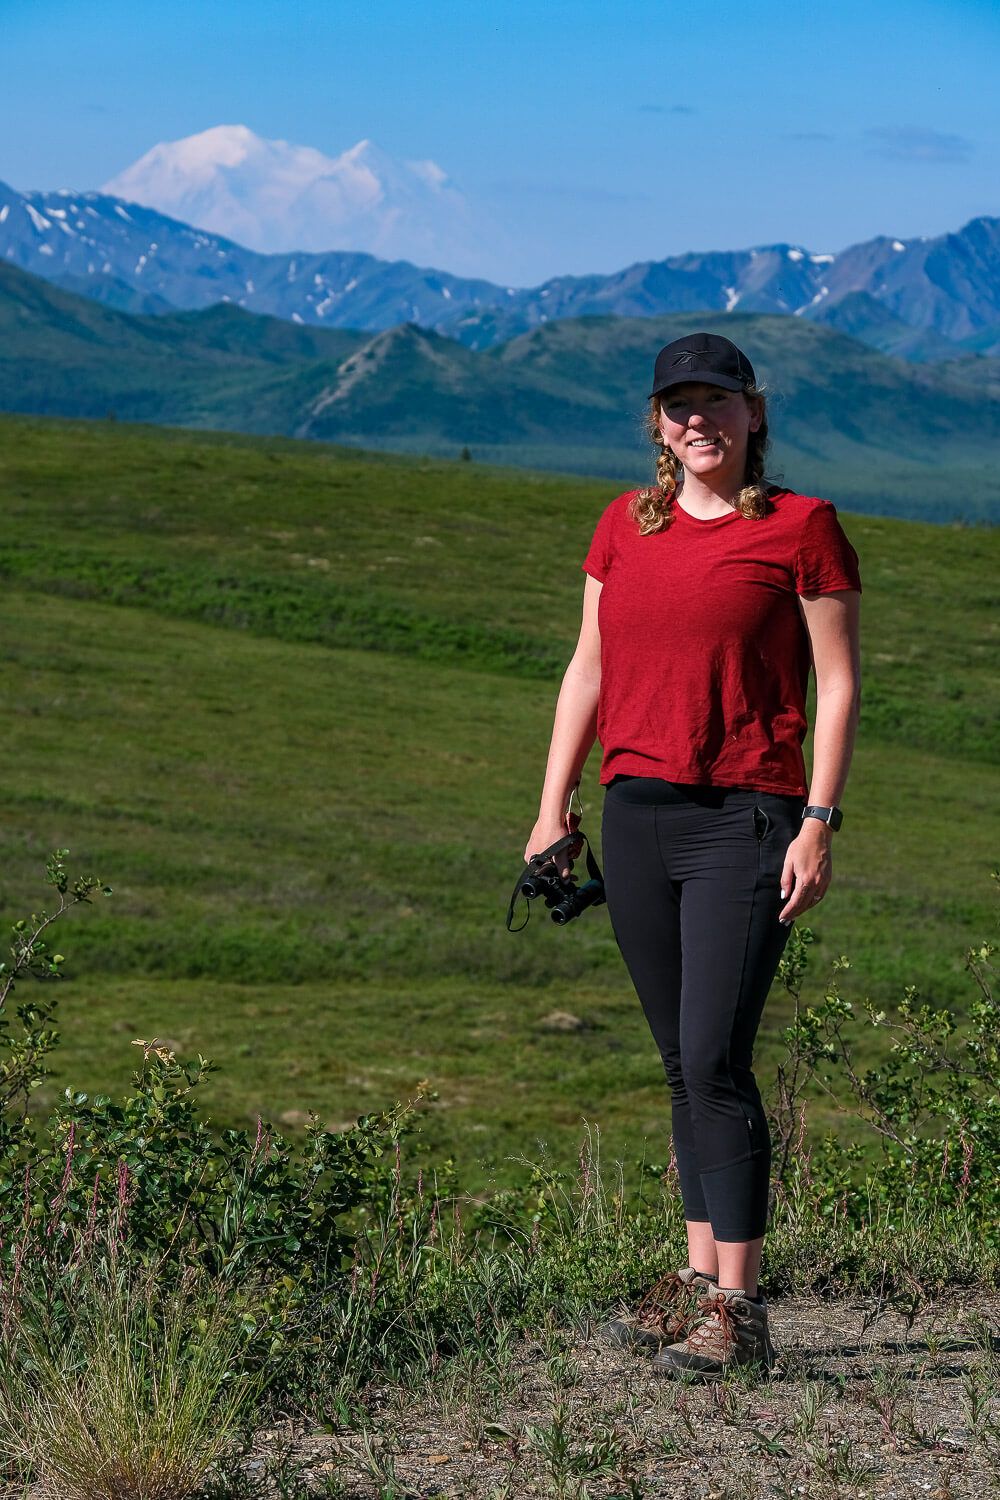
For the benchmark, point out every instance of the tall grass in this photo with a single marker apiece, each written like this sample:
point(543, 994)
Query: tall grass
point(138, 1401)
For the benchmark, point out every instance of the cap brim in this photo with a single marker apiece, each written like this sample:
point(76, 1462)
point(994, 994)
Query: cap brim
point(699, 377)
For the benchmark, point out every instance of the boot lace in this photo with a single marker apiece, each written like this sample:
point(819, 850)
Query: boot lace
point(720, 1326)
point(665, 1302)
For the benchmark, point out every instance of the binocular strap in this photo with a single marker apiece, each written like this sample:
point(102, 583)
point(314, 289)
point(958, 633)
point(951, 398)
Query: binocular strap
point(538, 862)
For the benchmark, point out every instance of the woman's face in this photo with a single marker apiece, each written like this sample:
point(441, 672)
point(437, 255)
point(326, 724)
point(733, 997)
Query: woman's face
point(708, 429)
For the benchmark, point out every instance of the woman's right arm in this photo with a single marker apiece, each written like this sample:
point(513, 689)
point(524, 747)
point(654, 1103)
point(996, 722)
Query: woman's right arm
point(574, 731)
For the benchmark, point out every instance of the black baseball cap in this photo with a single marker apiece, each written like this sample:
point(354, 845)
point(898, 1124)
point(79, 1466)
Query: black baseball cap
point(707, 357)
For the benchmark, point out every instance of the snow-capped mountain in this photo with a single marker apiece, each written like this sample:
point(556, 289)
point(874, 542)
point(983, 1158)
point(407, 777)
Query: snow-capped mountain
point(274, 196)
point(139, 260)
point(910, 298)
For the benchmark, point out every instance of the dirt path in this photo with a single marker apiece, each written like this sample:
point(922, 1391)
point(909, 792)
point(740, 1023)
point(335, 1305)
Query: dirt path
point(864, 1406)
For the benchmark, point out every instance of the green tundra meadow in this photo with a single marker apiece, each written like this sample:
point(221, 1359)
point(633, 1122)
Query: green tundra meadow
point(292, 702)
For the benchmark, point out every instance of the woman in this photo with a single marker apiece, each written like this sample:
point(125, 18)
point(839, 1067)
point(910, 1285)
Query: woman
point(707, 600)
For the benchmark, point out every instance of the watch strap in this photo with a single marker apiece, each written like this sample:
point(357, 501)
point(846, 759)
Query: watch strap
point(832, 816)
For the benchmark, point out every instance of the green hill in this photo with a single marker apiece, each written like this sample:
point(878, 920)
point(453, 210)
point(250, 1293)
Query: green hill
point(61, 354)
point(293, 702)
point(883, 436)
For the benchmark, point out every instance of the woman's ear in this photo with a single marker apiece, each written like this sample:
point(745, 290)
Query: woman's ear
point(756, 406)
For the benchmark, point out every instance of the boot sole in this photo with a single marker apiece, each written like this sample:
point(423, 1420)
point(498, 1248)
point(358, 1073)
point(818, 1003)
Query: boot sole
point(671, 1370)
point(629, 1336)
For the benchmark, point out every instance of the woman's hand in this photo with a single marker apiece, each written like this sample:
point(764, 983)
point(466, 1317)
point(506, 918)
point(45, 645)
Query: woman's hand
point(808, 869)
point(548, 831)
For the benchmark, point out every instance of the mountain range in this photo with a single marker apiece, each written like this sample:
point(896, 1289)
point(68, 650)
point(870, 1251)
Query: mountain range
point(922, 299)
point(882, 361)
point(877, 433)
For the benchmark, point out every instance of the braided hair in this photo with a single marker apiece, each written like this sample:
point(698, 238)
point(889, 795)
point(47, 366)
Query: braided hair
point(653, 509)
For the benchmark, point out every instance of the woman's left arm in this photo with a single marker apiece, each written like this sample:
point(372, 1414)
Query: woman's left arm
point(833, 622)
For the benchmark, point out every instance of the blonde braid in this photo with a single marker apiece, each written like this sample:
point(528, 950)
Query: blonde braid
point(652, 509)
point(751, 502)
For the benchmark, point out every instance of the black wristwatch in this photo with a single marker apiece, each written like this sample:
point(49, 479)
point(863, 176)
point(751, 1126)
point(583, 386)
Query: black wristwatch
point(832, 816)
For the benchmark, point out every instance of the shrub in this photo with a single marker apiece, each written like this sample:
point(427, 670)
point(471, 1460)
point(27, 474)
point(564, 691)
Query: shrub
point(23, 1052)
point(143, 1187)
point(932, 1106)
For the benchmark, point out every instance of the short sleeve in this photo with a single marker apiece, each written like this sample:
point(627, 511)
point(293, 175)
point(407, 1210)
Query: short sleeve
point(598, 559)
point(825, 561)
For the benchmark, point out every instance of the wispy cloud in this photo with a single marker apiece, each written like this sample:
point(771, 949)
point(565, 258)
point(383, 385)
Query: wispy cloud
point(915, 143)
point(666, 109)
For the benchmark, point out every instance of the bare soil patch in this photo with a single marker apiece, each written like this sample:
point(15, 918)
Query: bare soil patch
point(868, 1402)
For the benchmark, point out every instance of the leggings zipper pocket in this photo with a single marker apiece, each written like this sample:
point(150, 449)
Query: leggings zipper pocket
point(761, 823)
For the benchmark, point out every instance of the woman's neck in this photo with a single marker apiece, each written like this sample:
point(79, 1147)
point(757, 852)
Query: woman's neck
point(704, 499)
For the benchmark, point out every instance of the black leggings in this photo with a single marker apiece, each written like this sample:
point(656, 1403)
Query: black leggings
point(692, 876)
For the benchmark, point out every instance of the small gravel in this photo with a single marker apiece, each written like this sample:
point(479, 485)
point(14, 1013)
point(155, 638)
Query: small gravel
point(867, 1402)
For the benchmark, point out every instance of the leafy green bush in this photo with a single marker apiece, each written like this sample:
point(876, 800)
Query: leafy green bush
point(148, 1177)
point(151, 1170)
point(23, 1052)
point(933, 1104)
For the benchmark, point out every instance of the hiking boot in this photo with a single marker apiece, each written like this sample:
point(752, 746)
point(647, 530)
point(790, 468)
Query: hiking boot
point(731, 1331)
point(667, 1311)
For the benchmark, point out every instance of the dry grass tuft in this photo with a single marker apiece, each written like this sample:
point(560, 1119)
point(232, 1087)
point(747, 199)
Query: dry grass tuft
point(136, 1404)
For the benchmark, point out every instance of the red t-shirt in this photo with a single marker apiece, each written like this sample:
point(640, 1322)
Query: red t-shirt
point(705, 657)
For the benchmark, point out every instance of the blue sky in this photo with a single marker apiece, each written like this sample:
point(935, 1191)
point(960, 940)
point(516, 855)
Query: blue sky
point(602, 133)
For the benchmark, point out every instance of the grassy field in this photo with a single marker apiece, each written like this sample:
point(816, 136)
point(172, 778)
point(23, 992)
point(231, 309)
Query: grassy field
point(293, 703)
